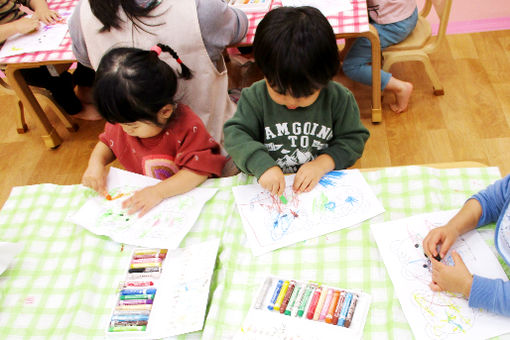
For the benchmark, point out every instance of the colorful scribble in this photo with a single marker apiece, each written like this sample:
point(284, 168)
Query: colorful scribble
point(331, 178)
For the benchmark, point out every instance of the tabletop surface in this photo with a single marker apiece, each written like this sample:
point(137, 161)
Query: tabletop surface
point(62, 283)
point(345, 22)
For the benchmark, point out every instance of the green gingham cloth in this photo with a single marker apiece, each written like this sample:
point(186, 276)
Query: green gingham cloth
point(62, 284)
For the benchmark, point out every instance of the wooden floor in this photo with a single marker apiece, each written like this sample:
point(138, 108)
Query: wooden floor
point(469, 123)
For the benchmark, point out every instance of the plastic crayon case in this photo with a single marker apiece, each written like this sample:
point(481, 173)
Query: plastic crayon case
point(136, 294)
point(305, 310)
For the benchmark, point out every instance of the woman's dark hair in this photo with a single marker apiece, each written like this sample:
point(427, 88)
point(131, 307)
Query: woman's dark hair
point(134, 85)
point(107, 11)
point(295, 47)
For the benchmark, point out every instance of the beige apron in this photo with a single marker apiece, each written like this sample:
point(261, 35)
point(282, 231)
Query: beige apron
point(175, 23)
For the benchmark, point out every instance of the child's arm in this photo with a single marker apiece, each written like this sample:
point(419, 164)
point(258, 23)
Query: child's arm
point(146, 199)
point(43, 13)
point(21, 26)
point(310, 173)
point(95, 175)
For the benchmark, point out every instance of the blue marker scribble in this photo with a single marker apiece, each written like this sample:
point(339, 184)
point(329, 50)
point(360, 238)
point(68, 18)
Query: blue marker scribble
point(331, 178)
point(330, 205)
point(351, 200)
point(281, 225)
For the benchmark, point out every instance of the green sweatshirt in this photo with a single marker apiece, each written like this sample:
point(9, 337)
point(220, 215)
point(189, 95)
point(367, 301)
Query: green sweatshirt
point(262, 133)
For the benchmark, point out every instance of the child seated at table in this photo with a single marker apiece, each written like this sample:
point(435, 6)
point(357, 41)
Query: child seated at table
point(394, 21)
point(13, 21)
point(487, 206)
point(295, 120)
point(146, 130)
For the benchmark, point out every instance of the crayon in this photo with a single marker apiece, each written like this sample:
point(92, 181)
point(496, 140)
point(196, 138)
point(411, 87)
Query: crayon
point(144, 276)
point(138, 283)
point(137, 297)
point(345, 309)
point(138, 291)
point(320, 304)
point(147, 260)
point(332, 306)
point(145, 265)
point(130, 317)
point(275, 295)
point(327, 302)
point(133, 307)
point(279, 300)
point(304, 301)
point(338, 309)
point(287, 296)
point(293, 299)
point(283, 199)
point(350, 314)
point(145, 269)
point(135, 302)
point(313, 303)
point(116, 323)
point(127, 328)
point(263, 292)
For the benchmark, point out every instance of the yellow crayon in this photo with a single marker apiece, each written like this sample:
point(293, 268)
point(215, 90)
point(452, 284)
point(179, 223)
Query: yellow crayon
point(281, 296)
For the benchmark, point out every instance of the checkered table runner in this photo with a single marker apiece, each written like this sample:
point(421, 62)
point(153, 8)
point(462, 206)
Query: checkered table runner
point(63, 282)
point(352, 21)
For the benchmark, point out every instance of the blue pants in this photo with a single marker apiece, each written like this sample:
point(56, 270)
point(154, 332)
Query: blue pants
point(356, 63)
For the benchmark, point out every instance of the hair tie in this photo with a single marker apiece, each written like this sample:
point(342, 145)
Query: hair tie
point(156, 49)
point(179, 60)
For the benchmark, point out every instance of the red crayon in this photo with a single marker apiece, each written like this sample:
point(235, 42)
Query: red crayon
point(313, 303)
point(288, 294)
point(338, 309)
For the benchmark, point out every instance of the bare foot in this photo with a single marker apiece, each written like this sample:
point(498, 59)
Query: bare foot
point(89, 112)
point(402, 90)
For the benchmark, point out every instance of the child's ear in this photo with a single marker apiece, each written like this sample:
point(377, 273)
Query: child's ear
point(166, 111)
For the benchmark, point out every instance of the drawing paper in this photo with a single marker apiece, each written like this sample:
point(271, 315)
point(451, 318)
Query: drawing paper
point(434, 315)
point(327, 7)
point(8, 251)
point(47, 38)
point(341, 199)
point(164, 226)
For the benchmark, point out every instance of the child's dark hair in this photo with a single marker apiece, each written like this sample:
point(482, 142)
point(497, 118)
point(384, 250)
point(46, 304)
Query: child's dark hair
point(295, 47)
point(107, 11)
point(134, 85)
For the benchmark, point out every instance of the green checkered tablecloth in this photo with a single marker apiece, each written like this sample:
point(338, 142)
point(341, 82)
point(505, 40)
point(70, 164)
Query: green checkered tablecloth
point(62, 284)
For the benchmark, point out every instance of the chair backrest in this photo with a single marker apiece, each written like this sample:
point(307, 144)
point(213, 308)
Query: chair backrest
point(442, 9)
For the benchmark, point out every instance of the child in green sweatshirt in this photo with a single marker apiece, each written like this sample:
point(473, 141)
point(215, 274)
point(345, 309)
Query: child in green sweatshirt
point(295, 120)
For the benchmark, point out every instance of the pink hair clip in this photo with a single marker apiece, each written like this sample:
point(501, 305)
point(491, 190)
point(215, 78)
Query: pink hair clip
point(156, 49)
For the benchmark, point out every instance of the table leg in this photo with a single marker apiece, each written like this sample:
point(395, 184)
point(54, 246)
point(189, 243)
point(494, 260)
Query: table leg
point(17, 82)
point(373, 36)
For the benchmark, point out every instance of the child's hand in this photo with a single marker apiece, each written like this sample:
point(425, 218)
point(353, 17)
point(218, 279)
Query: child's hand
point(273, 180)
point(26, 25)
point(95, 178)
point(307, 177)
point(455, 279)
point(143, 200)
point(47, 16)
point(444, 236)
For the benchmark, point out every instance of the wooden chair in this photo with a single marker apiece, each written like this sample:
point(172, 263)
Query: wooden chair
point(420, 42)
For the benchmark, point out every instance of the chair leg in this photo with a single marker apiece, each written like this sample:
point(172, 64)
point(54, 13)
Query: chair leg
point(21, 125)
point(436, 84)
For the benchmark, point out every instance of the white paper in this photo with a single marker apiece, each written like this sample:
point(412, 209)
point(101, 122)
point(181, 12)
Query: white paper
point(340, 200)
point(182, 293)
point(164, 226)
point(8, 252)
point(433, 315)
point(46, 38)
point(327, 7)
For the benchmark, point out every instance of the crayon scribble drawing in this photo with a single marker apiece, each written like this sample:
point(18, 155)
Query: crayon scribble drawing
point(164, 226)
point(436, 315)
point(341, 199)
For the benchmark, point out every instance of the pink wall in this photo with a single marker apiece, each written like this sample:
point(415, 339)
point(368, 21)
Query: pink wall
point(469, 16)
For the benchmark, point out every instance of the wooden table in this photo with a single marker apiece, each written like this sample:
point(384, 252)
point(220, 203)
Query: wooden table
point(63, 55)
point(348, 24)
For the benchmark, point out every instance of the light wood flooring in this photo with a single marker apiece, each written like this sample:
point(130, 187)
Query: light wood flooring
point(469, 123)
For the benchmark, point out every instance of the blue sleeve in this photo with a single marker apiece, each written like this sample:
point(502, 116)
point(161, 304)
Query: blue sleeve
point(79, 46)
point(492, 199)
point(492, 295)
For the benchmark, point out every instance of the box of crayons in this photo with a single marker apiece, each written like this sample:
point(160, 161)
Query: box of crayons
point(286, 308)
point(137, 292)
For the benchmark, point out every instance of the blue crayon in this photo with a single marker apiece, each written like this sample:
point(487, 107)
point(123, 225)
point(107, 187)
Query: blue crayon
point(345, 309)
point(130, 317)
point(146, 291)
point(275, 295)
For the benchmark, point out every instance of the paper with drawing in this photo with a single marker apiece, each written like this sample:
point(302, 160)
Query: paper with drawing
point(341, 199)
point(164, 226)
point(433, 315)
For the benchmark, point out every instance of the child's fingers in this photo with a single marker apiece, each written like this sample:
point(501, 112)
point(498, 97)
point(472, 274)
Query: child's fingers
point(447, 243)
point(435, 287)
point(430, 243)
